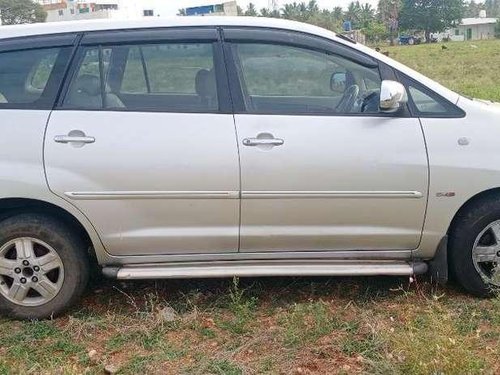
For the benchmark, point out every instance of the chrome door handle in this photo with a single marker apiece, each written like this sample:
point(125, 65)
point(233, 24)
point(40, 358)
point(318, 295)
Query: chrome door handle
point(73, 139)
point(263, 141)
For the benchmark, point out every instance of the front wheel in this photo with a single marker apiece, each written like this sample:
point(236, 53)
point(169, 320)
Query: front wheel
point(474, 248)
point(43, 267)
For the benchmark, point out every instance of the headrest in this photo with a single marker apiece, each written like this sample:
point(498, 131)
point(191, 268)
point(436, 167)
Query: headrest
point(205, 83)
point(88, 84)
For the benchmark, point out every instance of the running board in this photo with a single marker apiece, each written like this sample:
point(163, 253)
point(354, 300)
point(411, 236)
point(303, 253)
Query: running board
point(265, 268)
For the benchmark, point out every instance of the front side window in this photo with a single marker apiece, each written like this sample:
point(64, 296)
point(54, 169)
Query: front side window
point(426, 103)
point(175, 77)
point(286, 79)
point(25, 77)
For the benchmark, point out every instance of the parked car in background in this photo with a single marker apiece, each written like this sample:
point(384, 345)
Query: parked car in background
point(409, 39)
point(219, 147)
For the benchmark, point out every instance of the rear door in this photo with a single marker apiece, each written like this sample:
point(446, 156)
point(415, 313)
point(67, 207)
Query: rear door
point(143, 142)
point(321, 168)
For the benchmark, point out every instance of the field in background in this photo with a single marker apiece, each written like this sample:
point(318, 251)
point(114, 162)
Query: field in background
point(279, 325)
point(469, 68)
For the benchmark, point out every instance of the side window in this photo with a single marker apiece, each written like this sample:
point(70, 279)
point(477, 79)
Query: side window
point(134, 78)
point(30, 79)
point(41, 72)
point(86, 91)
point(173, 77)
point(285, 79)
point(426, 103)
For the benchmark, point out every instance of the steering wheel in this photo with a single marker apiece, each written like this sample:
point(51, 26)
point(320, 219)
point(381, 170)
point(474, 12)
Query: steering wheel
point(348, 99)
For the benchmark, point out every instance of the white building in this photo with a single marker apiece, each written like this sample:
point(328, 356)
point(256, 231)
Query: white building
point(476, 28)
point(68, 10)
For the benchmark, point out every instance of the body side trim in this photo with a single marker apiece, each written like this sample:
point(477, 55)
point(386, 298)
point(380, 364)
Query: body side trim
point(330, 194)
point(86, 195)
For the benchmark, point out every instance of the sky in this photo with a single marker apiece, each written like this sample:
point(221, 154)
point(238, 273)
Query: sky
point(174, 5)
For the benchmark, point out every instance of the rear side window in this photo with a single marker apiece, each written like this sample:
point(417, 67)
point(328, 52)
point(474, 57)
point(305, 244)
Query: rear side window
point(169, 77)
point(30, 79)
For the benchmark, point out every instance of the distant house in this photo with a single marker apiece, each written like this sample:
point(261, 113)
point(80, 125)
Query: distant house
point(476, 28)
point(229, 8)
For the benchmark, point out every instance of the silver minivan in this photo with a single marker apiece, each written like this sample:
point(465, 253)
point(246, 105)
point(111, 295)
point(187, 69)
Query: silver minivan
point(216, 147)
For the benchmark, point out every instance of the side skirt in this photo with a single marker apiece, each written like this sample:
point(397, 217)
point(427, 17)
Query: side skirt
point(187, 270)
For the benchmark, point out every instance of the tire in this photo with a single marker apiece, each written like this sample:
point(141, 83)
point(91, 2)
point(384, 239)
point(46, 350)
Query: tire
point(472, 251)
point(50, 257)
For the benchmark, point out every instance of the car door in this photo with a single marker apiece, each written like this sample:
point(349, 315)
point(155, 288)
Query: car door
point(321, 170)
point(143, 142)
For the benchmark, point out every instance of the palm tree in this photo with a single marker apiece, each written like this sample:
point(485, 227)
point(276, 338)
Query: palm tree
point(338, 13)
point(291, 11)
point(366, 15)
point(251, 10)
point(264, 12)
point(353, 13)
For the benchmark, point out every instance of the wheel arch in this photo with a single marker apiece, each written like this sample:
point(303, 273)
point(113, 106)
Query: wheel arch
point(14, 206)
point(483, 195)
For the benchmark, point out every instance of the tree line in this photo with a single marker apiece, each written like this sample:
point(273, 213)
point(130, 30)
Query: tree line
point(386, 20)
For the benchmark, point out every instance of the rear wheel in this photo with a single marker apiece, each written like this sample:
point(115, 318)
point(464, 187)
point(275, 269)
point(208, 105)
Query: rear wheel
point(43, 267)
point(475, 248)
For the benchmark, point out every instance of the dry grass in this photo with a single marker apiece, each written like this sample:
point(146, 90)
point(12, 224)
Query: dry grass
point(263, 326)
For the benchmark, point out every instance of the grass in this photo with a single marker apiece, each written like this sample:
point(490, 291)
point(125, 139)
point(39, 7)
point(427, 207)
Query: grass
point(263, 326)
point(279, 325)
point(469, 68)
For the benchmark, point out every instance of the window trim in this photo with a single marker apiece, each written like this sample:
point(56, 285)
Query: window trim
point(452, 110)
point(232, 36)
point(198, 35)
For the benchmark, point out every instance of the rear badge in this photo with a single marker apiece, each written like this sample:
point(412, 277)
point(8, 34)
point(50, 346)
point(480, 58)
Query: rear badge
point(446, 194)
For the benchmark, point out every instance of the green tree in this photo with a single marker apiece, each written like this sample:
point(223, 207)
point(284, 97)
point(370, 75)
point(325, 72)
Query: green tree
point(366, 15)
point(21, 11)
point(430, 15)
point(375, 32)
point(492, 8)
point(338, 13)
point(251, 10)
point(181, 12)
point(472, 9)
point(388, 13)
point(353, 13)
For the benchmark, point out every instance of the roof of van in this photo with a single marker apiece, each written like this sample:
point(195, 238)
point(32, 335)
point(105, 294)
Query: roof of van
point(106, 24)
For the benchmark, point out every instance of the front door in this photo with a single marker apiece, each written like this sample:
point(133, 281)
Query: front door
point(321, 169)
point(144, 146)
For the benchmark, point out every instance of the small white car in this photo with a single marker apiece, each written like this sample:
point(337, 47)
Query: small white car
point(215, 147)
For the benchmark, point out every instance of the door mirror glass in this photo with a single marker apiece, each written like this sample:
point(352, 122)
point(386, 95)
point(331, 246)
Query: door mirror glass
point(338, 82)
point(392, 96)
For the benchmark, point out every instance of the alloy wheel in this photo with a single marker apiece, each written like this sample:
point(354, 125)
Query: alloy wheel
point(31, 272)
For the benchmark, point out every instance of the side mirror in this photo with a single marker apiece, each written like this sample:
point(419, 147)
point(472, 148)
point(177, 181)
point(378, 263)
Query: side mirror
point(392, 96)
point(338, 82)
